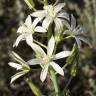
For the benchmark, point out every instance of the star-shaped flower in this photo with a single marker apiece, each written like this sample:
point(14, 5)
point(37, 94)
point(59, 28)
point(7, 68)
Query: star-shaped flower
point(52, 13)
point(76, 32)
point(27, 30)
point(21, 66)
point(46, 60)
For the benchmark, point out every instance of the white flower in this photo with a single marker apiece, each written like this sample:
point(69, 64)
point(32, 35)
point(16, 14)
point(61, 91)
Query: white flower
point(21, 66)
point(76, 32)
point(27, 30)
point(46, 60)
point(52, 13)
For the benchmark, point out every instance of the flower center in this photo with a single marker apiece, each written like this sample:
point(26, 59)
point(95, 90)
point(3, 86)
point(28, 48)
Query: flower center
point(28, 29)
point(50, 11)
point(46, 59)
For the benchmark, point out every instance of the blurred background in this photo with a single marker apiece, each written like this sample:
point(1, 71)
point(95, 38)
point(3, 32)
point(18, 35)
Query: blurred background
point(12, 14)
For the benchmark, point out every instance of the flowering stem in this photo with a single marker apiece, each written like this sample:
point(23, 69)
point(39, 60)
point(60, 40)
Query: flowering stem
point(54, 77)
point(40, 44)
point(54, 80)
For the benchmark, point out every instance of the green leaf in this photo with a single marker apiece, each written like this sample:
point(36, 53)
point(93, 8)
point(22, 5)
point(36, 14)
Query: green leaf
point(30, 4)
point(34, 88)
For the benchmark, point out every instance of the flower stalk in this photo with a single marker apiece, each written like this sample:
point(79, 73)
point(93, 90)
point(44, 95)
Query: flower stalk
point(55, 82)
point(45, 2)
point(33, 87)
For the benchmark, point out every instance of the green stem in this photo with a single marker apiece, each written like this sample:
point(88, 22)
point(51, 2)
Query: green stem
point(30, 4)
point(70, 79)
point(33, 87)
point(54, 77)
point(67, 37)
point(55, 83)
point(40, 44)
point(49, 31)
point(45, 2)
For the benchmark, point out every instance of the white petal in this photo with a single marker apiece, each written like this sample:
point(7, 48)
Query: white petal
point(16, 76)
point(66, 23)
point(28, 21)
point(51, 45)
point(78, 42)
point(73, 22)
point(15, 65)
point(40, 14)
point(58, 25)
point(19, 38)
point(29, 39)
point(44, 72)
point(34, 61)
point(62, 54)
point(22, 29)
point(59, 7)
point(36, 21)
point(17, 56)
point(46, 22)
point(57, 68)
point(40, 29)
point(38, 50)
point(64, 15)
point(85, 40)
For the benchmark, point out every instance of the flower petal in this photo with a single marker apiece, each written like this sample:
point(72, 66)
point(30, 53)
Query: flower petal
point(20, 29)
point(36, 21)
point(73, 22)
point(38, 50)
point(16, 76)
point(68, 32)
point(85, 40)
point(16, 57)
point(63, 15)
point(28, 21)
point(57, 68)
point(40, 14)
point(19, 38)
point(58, 25)
point(15, 65)
point(40, 29)
point(29, 39)
point(59, 7)
point(44, 73)
point(51, 45)
point(62, 54)
point(78, 42)
point(34, 61)
point(46, 22)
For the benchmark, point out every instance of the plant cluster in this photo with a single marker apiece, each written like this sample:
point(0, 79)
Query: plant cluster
point(54, 25)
